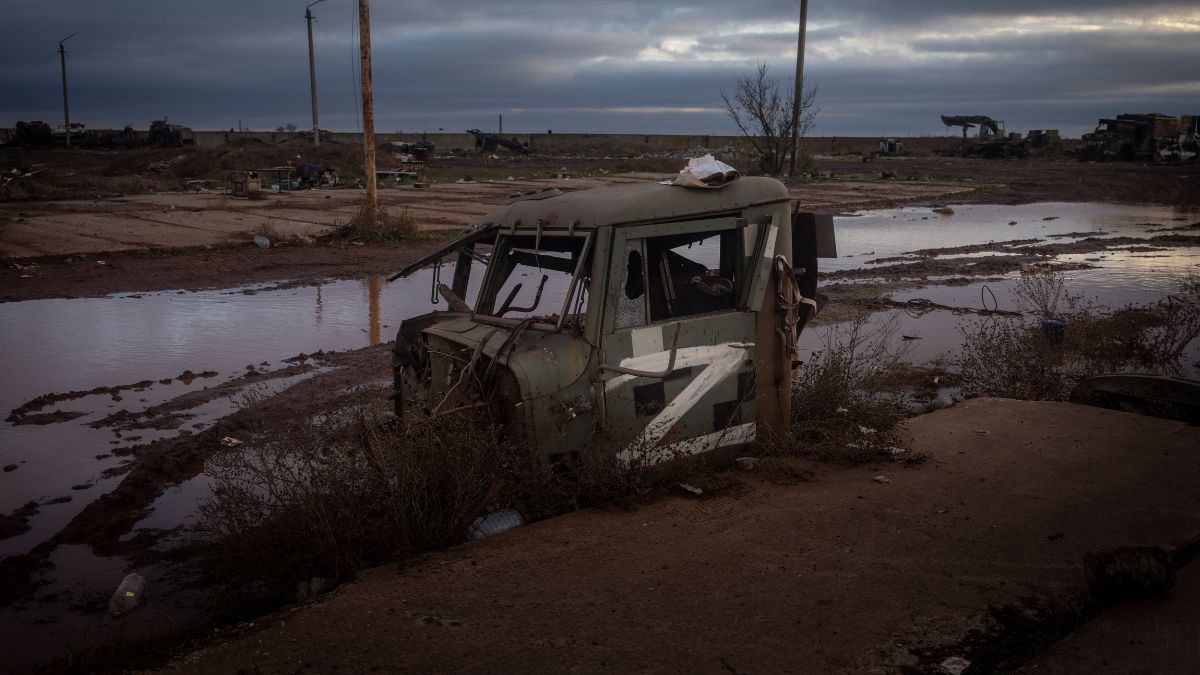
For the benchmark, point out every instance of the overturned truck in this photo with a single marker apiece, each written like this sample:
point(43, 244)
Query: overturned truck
point(654, 317)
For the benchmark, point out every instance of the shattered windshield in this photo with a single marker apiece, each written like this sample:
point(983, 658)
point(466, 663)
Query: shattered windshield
point(528, 277)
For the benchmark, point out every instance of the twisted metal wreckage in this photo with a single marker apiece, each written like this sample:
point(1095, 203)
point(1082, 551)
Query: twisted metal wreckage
point(664, 317)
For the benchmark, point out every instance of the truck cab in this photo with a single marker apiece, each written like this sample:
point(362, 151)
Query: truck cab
point(649, 317)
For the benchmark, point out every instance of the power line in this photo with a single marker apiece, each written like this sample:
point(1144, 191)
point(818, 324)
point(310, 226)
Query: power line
point(32, 68)
point(532, 12)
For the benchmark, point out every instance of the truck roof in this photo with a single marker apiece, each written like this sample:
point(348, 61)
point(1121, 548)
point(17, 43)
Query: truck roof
point(616, 205)
point(632, 204)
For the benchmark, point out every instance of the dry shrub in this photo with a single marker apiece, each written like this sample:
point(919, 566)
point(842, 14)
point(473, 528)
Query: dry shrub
point(605, 472)
point(1014, 357)
point(333, 494)
point(389, 226)
point(1045, 294)
point(841, 408)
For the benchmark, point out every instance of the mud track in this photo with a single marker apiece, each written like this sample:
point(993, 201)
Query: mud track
point(158, 465)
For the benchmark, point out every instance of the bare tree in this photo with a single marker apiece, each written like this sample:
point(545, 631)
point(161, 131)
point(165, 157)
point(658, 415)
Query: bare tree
point(763, 114)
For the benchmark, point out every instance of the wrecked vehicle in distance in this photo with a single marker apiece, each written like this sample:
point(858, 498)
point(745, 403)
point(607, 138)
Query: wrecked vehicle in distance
point(661, 316)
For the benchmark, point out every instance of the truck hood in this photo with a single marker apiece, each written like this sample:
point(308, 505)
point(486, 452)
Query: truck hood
point(543, 363)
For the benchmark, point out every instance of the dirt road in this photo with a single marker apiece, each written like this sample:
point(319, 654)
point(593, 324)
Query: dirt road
point(796, 568)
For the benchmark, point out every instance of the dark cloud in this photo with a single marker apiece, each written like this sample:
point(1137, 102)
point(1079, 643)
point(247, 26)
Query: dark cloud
point(588, 65)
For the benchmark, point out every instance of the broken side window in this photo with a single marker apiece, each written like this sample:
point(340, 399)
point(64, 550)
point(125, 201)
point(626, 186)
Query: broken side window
point(631, 299)
point(693, 273)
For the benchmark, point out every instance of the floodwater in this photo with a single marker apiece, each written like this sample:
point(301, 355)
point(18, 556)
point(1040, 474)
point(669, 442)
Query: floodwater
point(1115, 278)
point(56, 346)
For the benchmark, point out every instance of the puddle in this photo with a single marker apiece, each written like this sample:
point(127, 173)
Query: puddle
point(892, 232)
point(56, 346)
point(70, 613)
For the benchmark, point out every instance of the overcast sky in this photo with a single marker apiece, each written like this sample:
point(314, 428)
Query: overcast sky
point(882, 67)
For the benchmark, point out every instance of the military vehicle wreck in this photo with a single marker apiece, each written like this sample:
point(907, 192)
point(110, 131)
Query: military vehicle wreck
point(1142, 137)
point(663, 317)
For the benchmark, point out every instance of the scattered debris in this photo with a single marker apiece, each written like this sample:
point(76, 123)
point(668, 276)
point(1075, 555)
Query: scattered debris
point(940, 402)
point(744, 463)
point(1128, 572)
point(983, 432)
point(307, 591)
point(261, 241)
point(495, 523)
point(706, 172)
point(882, 479)
point(128, 595)
point(944, 210)
point(230, 442)
point(954, 665)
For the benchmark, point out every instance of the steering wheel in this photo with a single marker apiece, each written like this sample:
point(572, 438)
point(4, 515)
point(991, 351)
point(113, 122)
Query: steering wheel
point(714, 286)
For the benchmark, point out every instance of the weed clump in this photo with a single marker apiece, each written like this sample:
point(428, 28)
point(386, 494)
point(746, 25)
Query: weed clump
point(388, 226)
point(336, 493)
point(1025, 358)
point(843, 407)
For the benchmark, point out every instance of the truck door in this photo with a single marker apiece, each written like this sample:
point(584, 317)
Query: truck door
point(677, 340)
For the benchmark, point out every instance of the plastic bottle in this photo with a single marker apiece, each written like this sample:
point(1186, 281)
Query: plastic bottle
point(495, 523)
point(128, 595)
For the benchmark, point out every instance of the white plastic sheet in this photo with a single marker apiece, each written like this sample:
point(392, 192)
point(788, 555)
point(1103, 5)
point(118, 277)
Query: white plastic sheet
point(706, 172)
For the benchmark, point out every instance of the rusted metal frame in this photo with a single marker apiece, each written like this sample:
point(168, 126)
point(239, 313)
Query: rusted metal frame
point(467, 368)
point(503, 322)
point(760, 264)
point(537, 298)
point(437, 277)
point(488, 275)
point(583, 254)
point(462, 269)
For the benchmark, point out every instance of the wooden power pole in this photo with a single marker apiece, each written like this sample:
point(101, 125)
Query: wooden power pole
point(371, 208)
point(62, 59)
point(799, 93)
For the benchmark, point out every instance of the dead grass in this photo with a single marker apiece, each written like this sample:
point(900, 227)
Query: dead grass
point(1016, 357)
point(338, 492)
point(845, 405)
point(335, 493)
point(389, 226)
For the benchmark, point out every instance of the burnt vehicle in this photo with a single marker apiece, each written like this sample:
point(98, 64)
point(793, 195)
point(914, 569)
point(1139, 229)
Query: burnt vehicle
point(663, 317)
point(1141, 137)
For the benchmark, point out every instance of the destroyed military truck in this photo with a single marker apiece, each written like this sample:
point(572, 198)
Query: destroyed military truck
point(1141, 137)
point(663, 317)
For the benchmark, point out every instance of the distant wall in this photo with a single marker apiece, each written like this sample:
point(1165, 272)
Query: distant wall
point(584, 144)
point(594, 144)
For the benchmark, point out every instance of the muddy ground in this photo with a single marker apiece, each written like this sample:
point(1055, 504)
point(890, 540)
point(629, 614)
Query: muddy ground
point(792, 567)
point(194, 241)
point(188, 240)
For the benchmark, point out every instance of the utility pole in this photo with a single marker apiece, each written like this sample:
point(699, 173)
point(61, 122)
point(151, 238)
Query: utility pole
point(62, 58)
point(312, 72)
point(500, 125)
point(371, 212)
point(799, 94)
